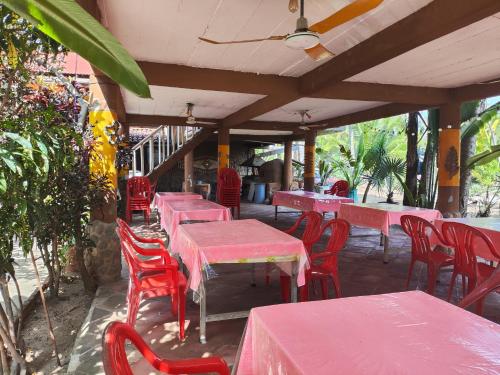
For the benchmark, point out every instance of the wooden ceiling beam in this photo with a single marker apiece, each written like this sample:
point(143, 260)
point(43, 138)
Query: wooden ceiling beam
point(180, 76)
point(379, 92)
point(435, 20)
point(476, 91)
point(376, 113)
point(171, 75)
point(157, 120)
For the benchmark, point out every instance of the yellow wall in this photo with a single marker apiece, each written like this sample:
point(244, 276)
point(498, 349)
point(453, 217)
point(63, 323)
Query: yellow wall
point(103, 158)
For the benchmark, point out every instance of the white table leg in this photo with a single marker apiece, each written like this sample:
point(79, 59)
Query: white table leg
point(293, 280)
point(203, 314)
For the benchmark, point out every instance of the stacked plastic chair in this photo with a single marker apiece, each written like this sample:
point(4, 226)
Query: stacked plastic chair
point(138, 197)
point(115, 359)
point(464, 239)
point(489, 285)
point(340, 189)
point(153, 278)
point(421, 232)
point(229, 189)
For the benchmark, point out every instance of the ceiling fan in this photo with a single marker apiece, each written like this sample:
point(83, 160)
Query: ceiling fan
point(191, 120)
point(304, 113)
point(307, 37)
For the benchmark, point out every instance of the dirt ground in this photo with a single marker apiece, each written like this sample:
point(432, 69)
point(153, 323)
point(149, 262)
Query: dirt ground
point(67, 314)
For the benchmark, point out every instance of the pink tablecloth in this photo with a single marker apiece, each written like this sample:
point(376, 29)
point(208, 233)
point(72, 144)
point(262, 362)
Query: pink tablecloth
point(175, 211)
point(490, 226)
point(399, 333)
point(309, 201)
point(382, 215)
point(162, 197)
point(239, 241)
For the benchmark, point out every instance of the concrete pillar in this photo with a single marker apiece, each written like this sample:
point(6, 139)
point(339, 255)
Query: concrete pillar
point(309, 151)
point(188, 172)
point(449, 160)
point(287, 166)
point(104, 262)
point(223, 148)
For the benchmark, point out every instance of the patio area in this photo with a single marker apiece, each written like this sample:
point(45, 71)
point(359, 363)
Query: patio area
point(362, 272)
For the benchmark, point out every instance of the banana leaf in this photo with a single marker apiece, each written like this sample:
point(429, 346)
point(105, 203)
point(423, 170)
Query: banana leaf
point(69, 24)
point(484, 157)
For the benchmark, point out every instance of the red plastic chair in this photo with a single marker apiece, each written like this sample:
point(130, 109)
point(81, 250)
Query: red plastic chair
point(143, 284)
point(229, 189)
point(489, 285)
point(162, 256)
point(138, 197)
point(464, 239)
point(325, 263)
point(115, 360)
point(421, 231)
point(339, 188)
point(311, 234)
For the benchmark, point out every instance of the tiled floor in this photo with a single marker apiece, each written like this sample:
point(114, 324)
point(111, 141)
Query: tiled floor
point(362, 272)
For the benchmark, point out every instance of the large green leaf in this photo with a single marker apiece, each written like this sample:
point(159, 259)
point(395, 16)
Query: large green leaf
point(69, 24)
point(484, 157)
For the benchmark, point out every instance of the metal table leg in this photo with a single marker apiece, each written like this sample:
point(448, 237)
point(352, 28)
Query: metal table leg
point(386, 248)
point(275, 213)
point(293, 281)
point(203, 314)
point(381, 239)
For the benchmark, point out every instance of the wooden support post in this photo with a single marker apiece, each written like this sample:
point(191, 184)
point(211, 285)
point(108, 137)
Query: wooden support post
point(449, 160)
point(287, 166)
point(309, 151)
point(223, 148)
point(106, 266)
point(188, 172)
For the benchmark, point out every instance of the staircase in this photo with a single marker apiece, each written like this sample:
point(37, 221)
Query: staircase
point(164, 147)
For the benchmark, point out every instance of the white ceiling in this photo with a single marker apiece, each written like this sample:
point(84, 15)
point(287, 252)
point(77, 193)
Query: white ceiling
point(170, 101)
point(259, 132)
point(319, 109)
point(469, 55)
point(168, 30)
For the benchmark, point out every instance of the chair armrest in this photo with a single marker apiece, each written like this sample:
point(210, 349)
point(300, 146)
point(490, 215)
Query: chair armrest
point(193, 366)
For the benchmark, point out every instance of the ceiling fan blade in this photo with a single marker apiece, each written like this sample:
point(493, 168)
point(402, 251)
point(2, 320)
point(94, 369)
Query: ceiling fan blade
point(273, 37)
point(318, 52)
point(347, 13)
point(308, 115)
point(293, 6)
point(206, 122)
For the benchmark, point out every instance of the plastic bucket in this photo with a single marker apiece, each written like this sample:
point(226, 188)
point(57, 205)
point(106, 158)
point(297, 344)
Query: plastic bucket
point(260, 193)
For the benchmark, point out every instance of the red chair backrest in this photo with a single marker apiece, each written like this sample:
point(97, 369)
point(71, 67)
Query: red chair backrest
point(129, 250)
point(464, 239)
point(339, 233)
point(420, 231)
point(339, 188)
point(138, 187)
point(115, 357)
point(312, 229)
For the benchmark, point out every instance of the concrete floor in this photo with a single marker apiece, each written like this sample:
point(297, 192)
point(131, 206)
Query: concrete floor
point(362, 272)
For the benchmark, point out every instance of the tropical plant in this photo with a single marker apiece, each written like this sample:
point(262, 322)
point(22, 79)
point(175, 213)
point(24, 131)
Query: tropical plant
point(351, 166)
point(325, 165)
point(67, 23)
point(373, 159)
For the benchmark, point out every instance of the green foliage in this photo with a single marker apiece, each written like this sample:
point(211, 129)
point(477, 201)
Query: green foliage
point(70, 25)
point(325, 165)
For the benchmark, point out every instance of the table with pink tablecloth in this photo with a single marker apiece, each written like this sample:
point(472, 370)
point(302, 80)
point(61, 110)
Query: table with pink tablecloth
point(308, 201)
point(381, 216)
point(398, 333)
point(239, 241)
point(490, 226)
point(162, 197)
point(175, 211)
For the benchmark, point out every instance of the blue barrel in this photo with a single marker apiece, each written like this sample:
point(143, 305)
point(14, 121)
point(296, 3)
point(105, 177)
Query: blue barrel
point(260, 193)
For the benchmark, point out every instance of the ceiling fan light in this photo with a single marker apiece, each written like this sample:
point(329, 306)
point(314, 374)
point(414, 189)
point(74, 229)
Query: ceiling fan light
point(191, 120)
point(302, 40)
